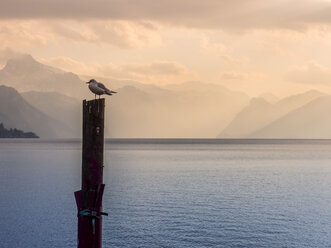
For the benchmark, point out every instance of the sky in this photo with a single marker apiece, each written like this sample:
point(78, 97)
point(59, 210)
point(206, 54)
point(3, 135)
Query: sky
point(255, 46)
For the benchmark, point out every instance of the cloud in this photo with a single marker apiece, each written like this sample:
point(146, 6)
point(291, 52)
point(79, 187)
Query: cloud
point(312, 73)
point(21, 34)
point(235, 14)
point(157, 68)
point(211, 47)
point(124, 34)
point(70, 65)
point(234, 61)
point(161, 72)
point(232, 75)
point(36, 33)
point(8, 53)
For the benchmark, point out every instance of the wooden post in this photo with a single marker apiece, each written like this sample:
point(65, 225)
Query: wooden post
point(89, 198)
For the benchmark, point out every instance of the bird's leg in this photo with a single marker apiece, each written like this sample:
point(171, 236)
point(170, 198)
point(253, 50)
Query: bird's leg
point(95, 96)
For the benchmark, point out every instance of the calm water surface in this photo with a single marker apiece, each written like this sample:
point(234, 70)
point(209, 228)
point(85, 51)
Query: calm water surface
point(171, 193)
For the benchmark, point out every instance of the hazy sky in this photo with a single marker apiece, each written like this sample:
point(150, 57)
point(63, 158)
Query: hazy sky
point(256, 46)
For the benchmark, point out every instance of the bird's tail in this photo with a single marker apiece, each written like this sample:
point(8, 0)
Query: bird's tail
point(110, 92)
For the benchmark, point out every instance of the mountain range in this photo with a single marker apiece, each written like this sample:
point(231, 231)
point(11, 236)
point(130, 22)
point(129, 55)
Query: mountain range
point(259, 113)
point(46, 100)
point(16, 112)
point(138, 110)
point(311, 121)
point(24, 73)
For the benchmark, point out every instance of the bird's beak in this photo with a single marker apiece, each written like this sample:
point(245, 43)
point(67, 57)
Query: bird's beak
point(87, 82)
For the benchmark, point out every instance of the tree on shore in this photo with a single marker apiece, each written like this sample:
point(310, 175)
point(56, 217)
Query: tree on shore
point(15, 133)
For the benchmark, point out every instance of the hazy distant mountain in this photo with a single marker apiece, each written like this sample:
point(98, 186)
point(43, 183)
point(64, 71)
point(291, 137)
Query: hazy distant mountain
point(63, 108)
point(151, 111)
point(313, 120)
point(16, 112)
point(259, 113)
point(255, 115)
point(269, 97)
point(24, 73)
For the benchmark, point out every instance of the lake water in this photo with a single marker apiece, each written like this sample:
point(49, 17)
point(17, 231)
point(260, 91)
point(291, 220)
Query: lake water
point(171, 193)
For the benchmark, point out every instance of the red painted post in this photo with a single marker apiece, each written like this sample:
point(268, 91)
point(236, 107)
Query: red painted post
point(89, 198)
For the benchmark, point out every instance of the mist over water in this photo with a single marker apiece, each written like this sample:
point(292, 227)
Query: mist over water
point(171, 193)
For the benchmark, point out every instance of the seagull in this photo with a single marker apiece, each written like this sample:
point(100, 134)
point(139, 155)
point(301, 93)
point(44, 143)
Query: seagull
point(98, 88)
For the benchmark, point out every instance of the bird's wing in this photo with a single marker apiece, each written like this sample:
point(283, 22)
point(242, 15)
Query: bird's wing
point(107, 91)
point(100, 85)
